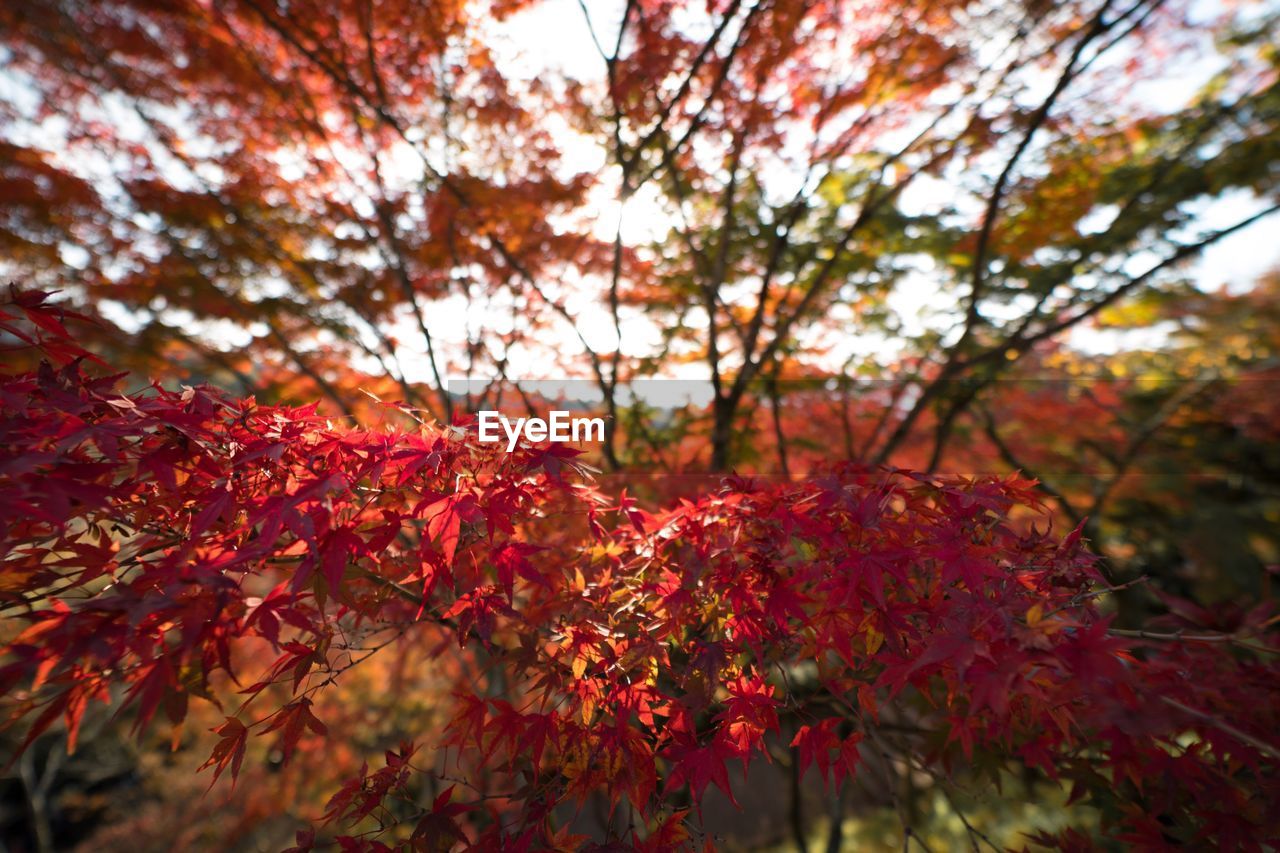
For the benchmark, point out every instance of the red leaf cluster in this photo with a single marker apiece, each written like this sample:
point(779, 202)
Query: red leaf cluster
point(149, 538)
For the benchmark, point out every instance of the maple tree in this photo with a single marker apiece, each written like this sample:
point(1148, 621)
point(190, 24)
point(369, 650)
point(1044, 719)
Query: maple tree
point(152, 540)
point(368, 624)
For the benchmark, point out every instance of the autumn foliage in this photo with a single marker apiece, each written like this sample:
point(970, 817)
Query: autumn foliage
point(970, 537)
point(168, 548)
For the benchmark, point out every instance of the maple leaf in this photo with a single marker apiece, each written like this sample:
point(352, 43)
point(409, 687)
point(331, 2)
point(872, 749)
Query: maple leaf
point(341, 547)
point(695, 762)
point(814, 745)
point(555, 458)
point(700, 766)
point(749, 712)
point(230, 748)
point(292, 720)
point(670, 833)
point(511, 559)
point(444, 525)
point(439, 829)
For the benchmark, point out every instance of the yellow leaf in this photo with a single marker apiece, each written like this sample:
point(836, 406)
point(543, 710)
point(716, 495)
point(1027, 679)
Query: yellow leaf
point(874, 640)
